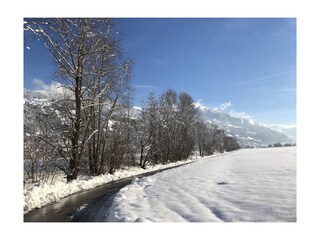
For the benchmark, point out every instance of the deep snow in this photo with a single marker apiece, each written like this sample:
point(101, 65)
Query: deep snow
point(247, 185)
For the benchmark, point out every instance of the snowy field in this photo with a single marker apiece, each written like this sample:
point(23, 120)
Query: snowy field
point(250, 185)
point(41, 194)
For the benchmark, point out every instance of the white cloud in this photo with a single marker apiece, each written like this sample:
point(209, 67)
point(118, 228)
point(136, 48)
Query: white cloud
point(222, 106)
point(137, 108)
point(241, 115)
point(225, 105)
point(282, 126)
point(55, 88)
point(200, 105)
point(41, 85)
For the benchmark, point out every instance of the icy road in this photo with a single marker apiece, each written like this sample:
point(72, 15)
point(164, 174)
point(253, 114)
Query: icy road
point(251, 185)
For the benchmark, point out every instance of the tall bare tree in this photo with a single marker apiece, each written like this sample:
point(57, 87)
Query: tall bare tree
point(146, 129)
point(187, 116)
point(92, 70)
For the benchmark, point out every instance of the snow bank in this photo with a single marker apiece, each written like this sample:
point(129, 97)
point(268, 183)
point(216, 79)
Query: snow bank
point(38, 195)
point(251, 185)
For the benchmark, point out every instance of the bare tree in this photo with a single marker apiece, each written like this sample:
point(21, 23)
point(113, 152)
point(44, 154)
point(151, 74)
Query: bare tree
point(142, 136)
point(164, 129)
point(91, 68)
point(147, 128)
point(201, 135)
point(210, 139)
point(230, 144)
point(106, 97)
point(186, 118)
point(41, 127)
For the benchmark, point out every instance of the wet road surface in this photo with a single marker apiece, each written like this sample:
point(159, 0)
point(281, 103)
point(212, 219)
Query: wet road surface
point(88, 206)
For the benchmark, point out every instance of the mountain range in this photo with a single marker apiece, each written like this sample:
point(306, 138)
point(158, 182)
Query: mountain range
point(245, 130)
point(248, 132)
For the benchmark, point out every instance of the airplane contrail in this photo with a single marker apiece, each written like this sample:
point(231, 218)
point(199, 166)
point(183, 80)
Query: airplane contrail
point(143, 86)
point(266, 77)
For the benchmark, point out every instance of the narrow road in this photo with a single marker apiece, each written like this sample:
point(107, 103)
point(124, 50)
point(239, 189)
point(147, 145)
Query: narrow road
point(88, 206)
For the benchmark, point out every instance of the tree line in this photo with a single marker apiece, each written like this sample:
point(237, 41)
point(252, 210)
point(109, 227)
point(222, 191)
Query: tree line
point(90, 126)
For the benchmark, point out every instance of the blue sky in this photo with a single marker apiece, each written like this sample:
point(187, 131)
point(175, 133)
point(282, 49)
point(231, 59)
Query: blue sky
point(245, 66)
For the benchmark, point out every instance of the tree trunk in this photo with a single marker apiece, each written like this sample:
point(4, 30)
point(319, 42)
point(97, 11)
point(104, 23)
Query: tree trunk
point(141, 155)
point(74, 161)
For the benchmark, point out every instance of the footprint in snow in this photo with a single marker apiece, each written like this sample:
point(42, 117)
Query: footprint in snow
point(222, 183)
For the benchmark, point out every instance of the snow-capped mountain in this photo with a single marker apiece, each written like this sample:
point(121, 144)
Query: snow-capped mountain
point(290, 131)
point(245, 130)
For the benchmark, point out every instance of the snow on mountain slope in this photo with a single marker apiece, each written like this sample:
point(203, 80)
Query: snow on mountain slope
point(246, 131)
point(249, 185)
point(290, 131)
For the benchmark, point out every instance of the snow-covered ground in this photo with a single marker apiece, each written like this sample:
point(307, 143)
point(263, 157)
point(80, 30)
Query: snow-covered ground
point(247, 185)
point(38, 195)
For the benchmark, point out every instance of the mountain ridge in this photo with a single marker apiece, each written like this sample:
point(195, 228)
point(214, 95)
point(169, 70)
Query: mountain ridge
point(248, 132)
point(245, 130)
